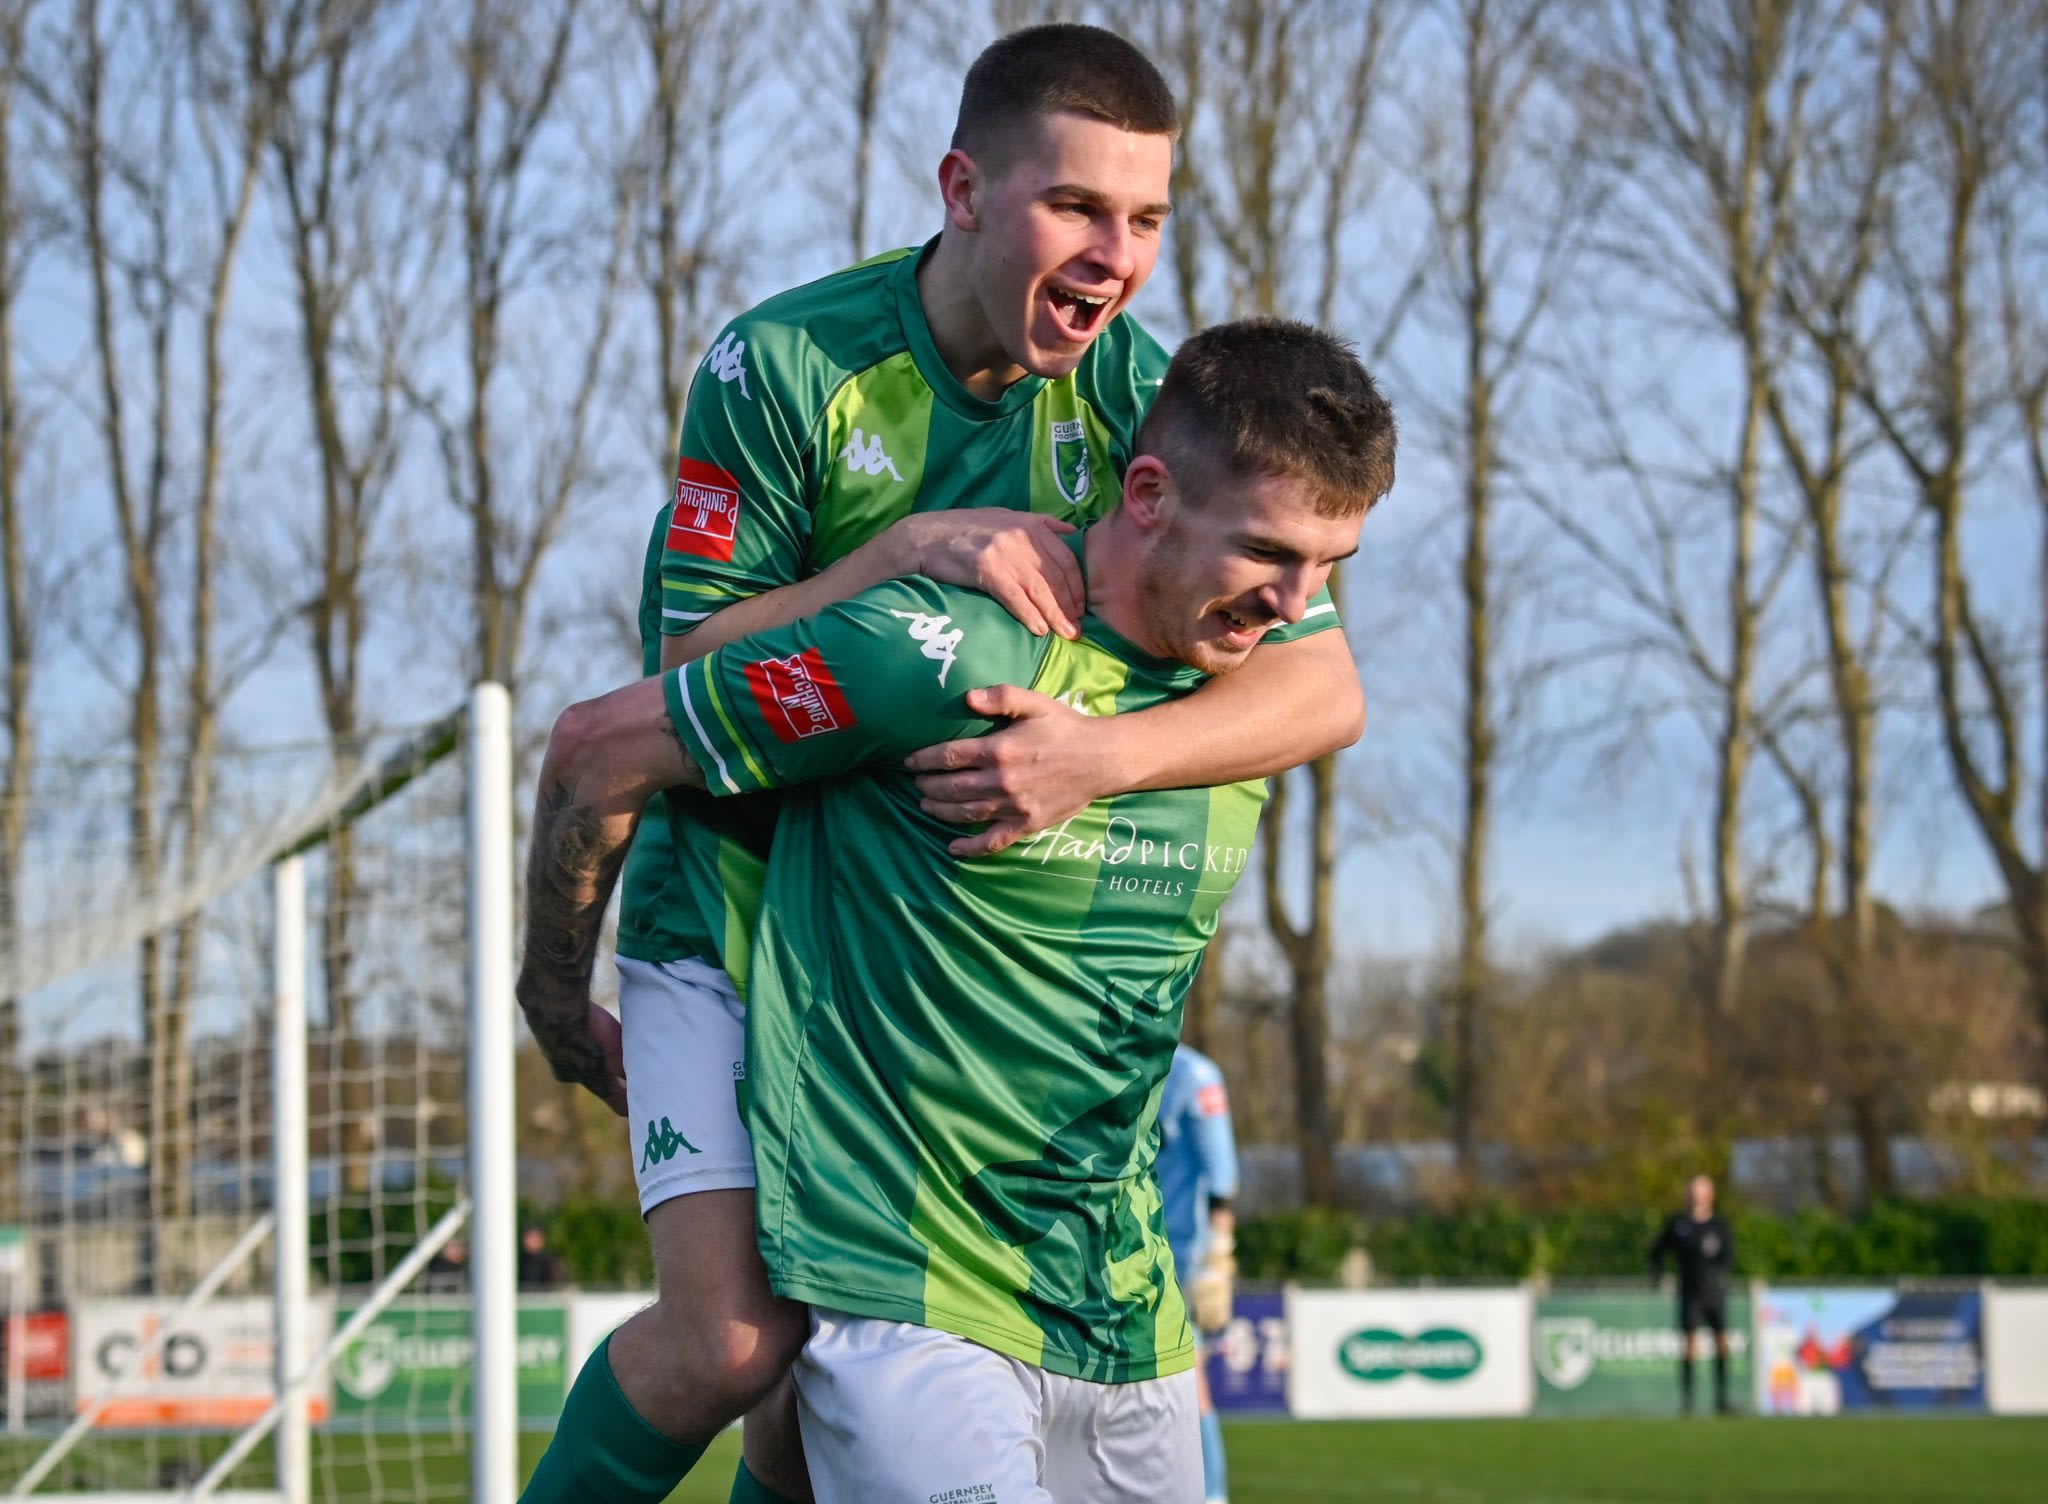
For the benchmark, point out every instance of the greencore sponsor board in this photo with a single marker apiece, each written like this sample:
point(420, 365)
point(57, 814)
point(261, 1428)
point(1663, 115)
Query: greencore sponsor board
point(1618, 1355)
point(413, 1362)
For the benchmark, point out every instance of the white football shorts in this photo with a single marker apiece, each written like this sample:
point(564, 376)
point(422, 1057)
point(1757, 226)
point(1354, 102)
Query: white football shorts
point(685, 1046)
point(900, 1414)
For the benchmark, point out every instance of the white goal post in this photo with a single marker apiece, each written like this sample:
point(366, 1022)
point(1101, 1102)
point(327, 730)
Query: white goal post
point(74, 1213)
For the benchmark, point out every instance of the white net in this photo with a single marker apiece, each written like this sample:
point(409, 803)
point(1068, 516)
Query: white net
point(136, 1101)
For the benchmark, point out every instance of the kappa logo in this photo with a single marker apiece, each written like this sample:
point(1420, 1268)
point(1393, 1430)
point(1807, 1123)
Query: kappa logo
point(706, 516)
point(868, 460)
point(930, 633)
point(662, 1143)
point(1074, 700)
point(1071, 465)
point(798, 696)
point(727, 362)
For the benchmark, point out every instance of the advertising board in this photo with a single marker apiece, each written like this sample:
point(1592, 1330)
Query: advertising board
point(1618, 1354)
point(413, 1364)
point(1247, 1360)
point(44, 1363)
point(1409, 1353)
point(2016, 1351)
point(216, 1368)
point(1820, 1352)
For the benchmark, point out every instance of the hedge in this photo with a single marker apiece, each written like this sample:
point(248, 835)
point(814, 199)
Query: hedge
point(604, 1243)
point(1933, 1239)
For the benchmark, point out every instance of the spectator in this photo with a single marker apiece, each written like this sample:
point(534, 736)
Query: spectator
point(447, 1271)
point(540, 1267)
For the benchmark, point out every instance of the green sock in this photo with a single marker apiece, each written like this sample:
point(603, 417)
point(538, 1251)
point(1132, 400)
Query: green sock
point(747, 1489)
point(604, 1452)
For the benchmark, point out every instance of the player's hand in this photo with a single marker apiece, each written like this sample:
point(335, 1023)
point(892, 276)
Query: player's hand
point(584, 1049)
point(1017, 557)
point(1047, 765)
point(1210, 1291)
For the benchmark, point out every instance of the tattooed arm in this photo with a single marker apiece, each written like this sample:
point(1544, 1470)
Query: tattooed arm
point(605, 758)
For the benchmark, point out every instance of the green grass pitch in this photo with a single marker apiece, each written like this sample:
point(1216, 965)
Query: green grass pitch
point(1874, 1460)
point(1877, 1460)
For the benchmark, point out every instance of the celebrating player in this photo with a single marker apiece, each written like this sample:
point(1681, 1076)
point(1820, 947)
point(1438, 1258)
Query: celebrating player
point(881, 422)
point(1197, 1179)
point(956, 1065)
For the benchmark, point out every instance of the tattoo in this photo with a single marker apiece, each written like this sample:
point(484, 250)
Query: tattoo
point(569, 876)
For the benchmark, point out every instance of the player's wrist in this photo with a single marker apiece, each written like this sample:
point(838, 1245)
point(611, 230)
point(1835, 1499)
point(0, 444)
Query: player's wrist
point(900, 548)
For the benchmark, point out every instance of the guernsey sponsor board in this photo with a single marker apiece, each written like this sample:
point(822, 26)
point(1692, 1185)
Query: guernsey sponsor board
point(1618, 1354)
point(414, 1361)
point(1409, 1353)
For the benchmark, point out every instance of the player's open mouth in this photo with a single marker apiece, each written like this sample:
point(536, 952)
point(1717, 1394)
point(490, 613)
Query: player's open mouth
point(1079, 315)
point(1241, 631)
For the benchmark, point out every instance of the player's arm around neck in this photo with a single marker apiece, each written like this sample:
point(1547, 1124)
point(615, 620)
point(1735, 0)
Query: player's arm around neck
point(1291, 703)
point(605, 758)
point(1017, 557)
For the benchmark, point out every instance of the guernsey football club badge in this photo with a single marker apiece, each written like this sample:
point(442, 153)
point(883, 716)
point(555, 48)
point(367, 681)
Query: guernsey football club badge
point(1070, 466)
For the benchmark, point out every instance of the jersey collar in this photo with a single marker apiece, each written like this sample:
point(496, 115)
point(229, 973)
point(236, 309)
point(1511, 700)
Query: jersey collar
point(931, 365)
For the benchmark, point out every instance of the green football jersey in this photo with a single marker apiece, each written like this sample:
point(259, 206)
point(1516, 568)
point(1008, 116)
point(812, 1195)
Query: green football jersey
point(816, 420)
point(956, 1066)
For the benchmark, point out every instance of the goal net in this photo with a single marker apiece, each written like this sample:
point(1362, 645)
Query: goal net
point(239, 1017)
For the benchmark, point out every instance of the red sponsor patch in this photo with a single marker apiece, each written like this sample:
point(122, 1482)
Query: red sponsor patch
point(798, 696)
point(1211, 1102)
point(706, 514)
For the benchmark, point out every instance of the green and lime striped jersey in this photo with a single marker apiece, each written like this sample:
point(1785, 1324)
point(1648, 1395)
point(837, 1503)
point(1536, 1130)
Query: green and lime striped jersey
point(816, 420)
point(956, 1066)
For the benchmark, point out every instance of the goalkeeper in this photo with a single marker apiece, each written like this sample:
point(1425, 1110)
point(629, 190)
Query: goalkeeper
point(1197, 1179)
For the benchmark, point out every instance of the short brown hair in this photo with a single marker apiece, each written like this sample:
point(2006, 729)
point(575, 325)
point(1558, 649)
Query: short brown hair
point(1045, 70)
point(1274, 397)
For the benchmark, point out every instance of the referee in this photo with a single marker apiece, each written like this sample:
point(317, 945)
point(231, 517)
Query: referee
point(1698, 1241)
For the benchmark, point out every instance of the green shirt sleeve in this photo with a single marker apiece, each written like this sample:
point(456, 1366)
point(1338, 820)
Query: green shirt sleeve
point(1321, 616)
point(863, 683)
point(740, 518)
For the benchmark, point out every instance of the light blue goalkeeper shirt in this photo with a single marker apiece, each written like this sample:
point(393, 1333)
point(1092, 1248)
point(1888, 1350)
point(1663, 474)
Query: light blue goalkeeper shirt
point(1197, 1153)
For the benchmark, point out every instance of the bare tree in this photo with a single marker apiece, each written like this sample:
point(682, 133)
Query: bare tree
point(1929, 375)
point(514, 64)
point(1708, 103)
point(1511, 190)
point(16, 604)
point(701, 62)
point(1850, 169)
point(340, 90)
point(873, 24)
point(1250, 181)
point(122, 186)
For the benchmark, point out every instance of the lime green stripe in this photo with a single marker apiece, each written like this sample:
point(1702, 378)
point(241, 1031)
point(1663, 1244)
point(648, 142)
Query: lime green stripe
point(732, 731)
point(701, 591)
